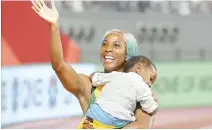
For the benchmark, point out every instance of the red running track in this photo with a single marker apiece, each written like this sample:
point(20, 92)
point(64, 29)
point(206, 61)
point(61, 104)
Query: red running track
point(193, 118)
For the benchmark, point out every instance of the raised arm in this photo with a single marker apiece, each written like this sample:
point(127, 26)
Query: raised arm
point(71, 81)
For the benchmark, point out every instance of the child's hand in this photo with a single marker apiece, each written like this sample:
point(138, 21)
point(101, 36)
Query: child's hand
point(155, 97)
point(91, 76)
point(157, 101)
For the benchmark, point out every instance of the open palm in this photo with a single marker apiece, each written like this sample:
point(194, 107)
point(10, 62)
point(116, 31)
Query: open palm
point(49, 14)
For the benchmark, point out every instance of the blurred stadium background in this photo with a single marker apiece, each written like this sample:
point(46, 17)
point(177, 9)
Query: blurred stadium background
point(176, 35)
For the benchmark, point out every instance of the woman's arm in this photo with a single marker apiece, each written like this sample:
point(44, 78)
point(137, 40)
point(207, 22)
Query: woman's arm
point(143, 121)
point(67, 75)
point(74, 83)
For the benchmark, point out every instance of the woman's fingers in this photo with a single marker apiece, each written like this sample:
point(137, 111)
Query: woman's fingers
point(35, 5)
point(37, 11)
point(42, 3)
point(38, 3)
point(53, 4)
point(87, 125)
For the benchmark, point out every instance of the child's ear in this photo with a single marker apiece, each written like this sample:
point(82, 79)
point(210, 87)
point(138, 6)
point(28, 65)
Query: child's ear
point(139, 67)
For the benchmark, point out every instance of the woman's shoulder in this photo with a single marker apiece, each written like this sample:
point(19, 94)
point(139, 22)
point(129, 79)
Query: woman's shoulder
point(83, 76)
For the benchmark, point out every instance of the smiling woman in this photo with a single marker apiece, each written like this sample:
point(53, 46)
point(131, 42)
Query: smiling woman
point(117, 47)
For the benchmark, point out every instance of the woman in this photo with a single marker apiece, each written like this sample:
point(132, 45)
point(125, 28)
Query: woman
point(114, 52)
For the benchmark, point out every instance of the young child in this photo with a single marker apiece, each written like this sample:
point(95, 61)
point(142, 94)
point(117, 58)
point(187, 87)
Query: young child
point(117, 101)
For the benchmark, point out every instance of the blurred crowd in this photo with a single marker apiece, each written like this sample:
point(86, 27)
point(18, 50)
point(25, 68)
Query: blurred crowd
point(182, 7)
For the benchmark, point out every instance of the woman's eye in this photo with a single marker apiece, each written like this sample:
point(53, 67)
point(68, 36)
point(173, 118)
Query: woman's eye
point(104, 44)
point(116, 45)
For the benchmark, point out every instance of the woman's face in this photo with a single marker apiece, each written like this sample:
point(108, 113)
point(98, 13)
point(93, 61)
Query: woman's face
point(113, 52)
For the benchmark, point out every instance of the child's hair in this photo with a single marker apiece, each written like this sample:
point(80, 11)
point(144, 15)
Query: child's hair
point(137, 59)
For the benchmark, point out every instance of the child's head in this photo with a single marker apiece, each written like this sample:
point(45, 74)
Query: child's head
point(142, 66)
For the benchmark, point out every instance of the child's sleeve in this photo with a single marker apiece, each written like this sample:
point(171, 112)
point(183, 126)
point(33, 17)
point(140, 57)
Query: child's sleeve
point(101, 78)
point(145, 98)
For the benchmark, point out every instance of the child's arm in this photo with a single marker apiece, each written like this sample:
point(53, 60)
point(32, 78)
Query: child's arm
point(149, 105)
point(100, 78)
point(144, 96)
